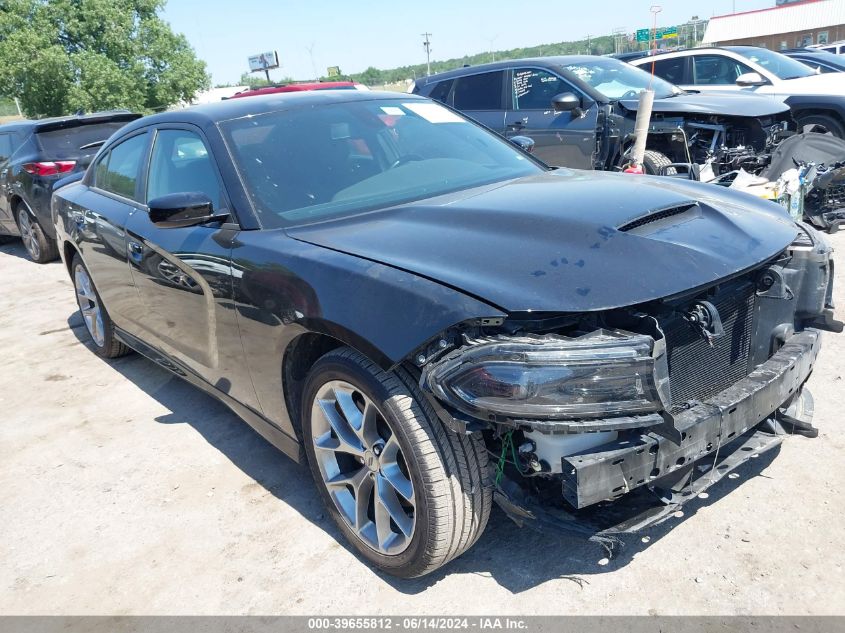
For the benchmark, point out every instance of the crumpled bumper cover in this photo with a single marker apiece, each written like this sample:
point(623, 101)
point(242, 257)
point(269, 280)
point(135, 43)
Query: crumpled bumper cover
point(651, 459)
point(743, 422)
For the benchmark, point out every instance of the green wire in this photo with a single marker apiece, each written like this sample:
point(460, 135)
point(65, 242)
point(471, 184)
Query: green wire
point(507, 445)
point(500, 467)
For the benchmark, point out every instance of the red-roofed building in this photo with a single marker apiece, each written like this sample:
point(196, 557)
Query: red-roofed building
point(787, 25)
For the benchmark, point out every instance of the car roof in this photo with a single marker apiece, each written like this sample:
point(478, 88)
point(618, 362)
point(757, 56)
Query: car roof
point(730, 50)
point(802, 49)
point(631, 55)
point(211, 113)
point(73, 120)
point(816, 56)
point(555, 61)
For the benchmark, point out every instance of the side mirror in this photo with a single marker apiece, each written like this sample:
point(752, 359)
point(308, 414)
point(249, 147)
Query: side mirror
point(182, 209)
point(565, 102)
point(525, 143)
point(750, 79)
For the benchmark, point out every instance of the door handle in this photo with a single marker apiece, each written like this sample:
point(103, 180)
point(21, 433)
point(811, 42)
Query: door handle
point(516, 124)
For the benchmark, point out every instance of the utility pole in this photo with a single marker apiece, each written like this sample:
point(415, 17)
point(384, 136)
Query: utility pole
point(589, 45)
point(619, 39)
point(310, 50)
point(427, 47)
point(490, 41)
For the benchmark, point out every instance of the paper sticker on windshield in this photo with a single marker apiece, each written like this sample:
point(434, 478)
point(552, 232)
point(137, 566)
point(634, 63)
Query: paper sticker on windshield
point(433, 113)
point(393, 111)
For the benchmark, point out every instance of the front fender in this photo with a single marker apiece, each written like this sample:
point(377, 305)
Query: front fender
point(285, 288)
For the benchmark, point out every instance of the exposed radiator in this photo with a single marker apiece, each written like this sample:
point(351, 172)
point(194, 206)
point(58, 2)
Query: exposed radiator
point(698, 371)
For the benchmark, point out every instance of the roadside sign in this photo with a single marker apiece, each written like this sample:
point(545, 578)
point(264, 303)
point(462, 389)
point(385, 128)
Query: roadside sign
point(666, 33)
point(333, 71)
point(263, 61)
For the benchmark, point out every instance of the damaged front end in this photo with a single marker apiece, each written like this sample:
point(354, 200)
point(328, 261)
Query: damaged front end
point(718, 145)
point(608, 422)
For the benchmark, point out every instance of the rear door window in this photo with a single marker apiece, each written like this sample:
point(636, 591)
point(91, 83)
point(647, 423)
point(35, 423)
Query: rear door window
point(479, 92)
point(118, 171)
point(672, 70)
point(5, 147)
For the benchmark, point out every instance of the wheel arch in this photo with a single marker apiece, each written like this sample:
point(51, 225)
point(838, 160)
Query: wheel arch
point(68, 251)
point(302, 352)
point(14, 203)
point(802, 107)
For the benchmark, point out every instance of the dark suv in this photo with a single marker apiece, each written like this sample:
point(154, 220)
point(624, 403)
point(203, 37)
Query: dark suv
point(580, 111)
point(34, 155)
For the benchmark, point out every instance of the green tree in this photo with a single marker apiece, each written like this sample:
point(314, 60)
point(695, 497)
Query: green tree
point(60, 56)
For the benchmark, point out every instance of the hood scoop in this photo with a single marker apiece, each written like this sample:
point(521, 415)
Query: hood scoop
point(663, 215)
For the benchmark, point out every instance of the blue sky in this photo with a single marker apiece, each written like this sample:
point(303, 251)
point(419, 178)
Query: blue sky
point(354, 34)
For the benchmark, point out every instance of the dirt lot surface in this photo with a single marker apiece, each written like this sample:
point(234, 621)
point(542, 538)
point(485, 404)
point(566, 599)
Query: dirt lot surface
point(125, 491)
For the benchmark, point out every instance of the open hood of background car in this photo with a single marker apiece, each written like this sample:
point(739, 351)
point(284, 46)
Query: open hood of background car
point(728, 103)
point(562, 241)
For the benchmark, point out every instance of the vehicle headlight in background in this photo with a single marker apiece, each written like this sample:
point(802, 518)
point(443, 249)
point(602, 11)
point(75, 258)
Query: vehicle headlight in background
point(549, 377)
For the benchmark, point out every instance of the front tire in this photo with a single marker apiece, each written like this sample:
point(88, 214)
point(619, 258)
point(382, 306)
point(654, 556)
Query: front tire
point(656, 164)
point(408, 494)
point(41, 248)
point(93, 312)
point(829, 123)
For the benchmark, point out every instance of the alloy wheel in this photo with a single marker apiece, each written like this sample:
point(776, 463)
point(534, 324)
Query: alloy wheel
point(30, 240)
point(89, 306)
point(363, 467)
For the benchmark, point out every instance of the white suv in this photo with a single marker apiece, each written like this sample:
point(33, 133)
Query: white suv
point(814, 98)
point(837, 48)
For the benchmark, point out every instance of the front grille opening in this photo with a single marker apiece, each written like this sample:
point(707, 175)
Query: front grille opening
point(656, 216)
point(698, 371)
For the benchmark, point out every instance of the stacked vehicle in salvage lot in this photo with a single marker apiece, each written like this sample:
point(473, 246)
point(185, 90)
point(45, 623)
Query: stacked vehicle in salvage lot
point(434, 296)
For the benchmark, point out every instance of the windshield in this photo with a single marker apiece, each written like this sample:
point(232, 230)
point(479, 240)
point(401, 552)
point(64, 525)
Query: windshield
point(779, 65)
point(339, 159)
point(618, 80)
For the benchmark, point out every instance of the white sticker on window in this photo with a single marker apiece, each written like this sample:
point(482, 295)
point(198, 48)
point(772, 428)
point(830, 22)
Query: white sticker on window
point(393, 111)
point(433, 113)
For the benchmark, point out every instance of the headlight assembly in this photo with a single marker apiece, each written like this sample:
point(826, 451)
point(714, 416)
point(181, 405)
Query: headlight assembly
point(550, 377)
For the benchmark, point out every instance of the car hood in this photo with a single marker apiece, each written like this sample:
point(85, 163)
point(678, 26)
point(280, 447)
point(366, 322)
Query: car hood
point(824, 84)
point(733, 103)
point(559, 241)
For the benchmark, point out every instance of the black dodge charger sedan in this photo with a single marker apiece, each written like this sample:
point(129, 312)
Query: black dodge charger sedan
point(433, 320)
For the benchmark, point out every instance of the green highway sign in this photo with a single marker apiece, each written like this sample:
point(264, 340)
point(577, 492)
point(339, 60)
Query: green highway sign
point(666, 33)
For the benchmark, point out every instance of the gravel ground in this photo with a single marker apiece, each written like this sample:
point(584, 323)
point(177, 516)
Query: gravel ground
point(124, 490)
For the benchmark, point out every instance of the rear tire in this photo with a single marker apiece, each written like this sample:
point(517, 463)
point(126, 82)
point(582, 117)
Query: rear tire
point(41, 248)
point(654, 162)
point(93, 312)
point(444, 490)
